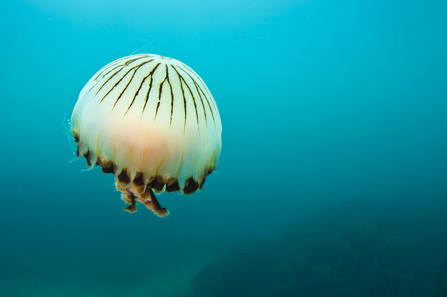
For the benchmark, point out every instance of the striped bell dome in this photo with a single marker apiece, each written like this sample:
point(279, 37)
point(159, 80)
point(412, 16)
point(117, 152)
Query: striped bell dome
point(152, 122)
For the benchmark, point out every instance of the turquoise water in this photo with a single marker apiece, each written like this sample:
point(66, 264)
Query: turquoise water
point(332, 177)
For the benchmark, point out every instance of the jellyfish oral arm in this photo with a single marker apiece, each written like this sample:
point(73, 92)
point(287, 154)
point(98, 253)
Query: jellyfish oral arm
point(150, 201)
point(130, 195)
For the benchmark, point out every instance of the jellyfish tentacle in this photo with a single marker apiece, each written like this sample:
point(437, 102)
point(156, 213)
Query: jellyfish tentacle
point(129, 198)
point(150, 201)
point(131, 195)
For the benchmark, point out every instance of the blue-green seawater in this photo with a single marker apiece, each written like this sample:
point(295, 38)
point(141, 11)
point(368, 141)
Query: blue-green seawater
point(333, 175)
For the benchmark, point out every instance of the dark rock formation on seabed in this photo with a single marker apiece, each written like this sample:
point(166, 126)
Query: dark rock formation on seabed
point(436, 286)
point(347, 264)
point(340, 252)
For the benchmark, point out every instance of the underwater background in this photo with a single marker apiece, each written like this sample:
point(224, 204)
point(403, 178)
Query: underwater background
point(332, 177)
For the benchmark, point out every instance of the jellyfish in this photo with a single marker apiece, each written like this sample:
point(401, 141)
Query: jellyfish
point(152, 122)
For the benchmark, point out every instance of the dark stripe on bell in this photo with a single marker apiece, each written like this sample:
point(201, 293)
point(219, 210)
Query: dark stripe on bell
point(141, 84)
point(106, 83)
point(150, 86)
point(127, 60)
point(191, 93)
point(110, 68)
point(161, 90)
point(199, 89)
point(172, 94)
point(204, 110)
point(128, 83)
point(184, 98)
point(116, 84)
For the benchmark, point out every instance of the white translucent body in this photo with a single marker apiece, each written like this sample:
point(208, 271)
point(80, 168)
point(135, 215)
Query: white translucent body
point(172, 132)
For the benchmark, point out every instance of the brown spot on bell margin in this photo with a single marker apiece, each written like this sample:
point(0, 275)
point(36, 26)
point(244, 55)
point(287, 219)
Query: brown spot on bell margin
point(107, 166)
point(190, 186)
point(173, 187)
point(202, 182)
point(87, 157)
point(138, 180)
point(107, 169)
point(158, 184)
point(75, 134)
point(100, 161)
point(123, 177)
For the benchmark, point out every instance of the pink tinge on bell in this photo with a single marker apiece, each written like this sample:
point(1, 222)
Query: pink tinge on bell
point(153, 123)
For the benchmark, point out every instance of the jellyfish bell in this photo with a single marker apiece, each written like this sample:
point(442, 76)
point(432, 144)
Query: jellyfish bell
point(152, 122)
